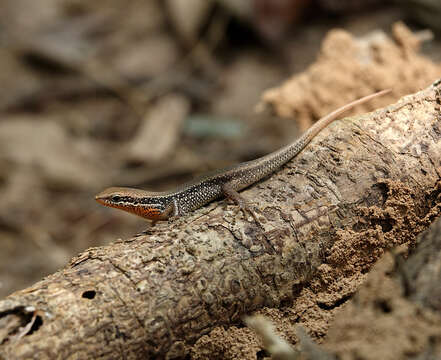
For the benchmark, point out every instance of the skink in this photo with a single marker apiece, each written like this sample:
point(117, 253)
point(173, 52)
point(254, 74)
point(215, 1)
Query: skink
point(226, 182)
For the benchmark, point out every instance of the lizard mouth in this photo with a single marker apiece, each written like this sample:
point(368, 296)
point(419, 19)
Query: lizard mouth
point(100, 200)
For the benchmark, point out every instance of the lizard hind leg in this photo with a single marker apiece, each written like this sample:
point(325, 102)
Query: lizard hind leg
point(239, 200)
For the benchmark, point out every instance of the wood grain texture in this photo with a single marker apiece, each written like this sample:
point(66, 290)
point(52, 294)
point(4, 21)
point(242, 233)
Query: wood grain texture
point(156, 294)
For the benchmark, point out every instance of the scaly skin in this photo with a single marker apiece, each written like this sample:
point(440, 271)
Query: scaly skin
point(226, 182)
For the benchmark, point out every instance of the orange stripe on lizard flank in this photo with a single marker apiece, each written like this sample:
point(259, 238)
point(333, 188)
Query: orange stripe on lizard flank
point(148, 212)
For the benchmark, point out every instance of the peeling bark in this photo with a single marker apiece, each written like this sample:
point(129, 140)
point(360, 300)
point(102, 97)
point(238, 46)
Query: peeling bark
point(364, 185)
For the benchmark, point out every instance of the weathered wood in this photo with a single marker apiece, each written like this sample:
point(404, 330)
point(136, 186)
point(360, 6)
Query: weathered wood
point(157, 293)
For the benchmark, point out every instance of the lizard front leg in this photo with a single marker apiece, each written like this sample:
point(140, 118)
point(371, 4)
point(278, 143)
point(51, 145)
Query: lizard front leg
point(171, 211)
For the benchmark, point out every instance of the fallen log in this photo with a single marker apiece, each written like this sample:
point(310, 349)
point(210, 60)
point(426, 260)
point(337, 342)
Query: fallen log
point(364, 185)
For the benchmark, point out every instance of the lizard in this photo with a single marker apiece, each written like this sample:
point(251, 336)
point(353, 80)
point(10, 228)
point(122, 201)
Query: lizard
point(226, 182)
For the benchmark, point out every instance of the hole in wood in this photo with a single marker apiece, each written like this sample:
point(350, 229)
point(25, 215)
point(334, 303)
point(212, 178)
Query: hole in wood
point(89, 294)
point(36, 325)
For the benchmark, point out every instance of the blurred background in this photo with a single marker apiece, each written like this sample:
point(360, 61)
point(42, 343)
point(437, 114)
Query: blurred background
point(147, 94)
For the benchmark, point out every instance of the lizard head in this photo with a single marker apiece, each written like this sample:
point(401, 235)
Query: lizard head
point(150, 205)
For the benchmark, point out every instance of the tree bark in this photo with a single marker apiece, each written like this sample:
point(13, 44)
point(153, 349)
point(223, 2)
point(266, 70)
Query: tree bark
point(155, 295)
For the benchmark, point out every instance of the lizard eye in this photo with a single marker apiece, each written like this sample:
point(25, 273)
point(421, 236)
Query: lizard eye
point(116, 198)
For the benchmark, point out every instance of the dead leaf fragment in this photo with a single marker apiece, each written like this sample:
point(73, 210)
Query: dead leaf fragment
point(165, 119)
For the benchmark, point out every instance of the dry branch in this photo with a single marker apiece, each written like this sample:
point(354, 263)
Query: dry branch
point(361, 187)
